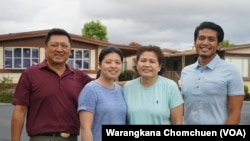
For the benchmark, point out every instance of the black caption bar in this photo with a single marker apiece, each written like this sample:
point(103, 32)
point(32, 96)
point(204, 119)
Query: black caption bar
point(163, 132)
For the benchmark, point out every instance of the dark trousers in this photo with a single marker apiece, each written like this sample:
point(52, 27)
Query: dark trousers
point(51, 138)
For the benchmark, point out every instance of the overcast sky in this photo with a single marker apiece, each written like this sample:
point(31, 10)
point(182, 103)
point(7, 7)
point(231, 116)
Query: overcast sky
point(165, 23)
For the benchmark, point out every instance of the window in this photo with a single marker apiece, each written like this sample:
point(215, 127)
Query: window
point(241, 63)
point(20, 58)
point(79, 58)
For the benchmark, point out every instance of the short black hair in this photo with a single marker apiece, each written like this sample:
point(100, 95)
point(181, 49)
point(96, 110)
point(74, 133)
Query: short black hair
point(212, 26)
point(57, 31)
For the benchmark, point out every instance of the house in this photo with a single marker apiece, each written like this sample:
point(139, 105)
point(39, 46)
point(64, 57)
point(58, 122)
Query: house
point(236, 54)
point(177, 60)
point(21, 50)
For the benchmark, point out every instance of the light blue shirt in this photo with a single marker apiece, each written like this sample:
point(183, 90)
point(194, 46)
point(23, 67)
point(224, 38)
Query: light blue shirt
point(206, 90)
point(107, 105)
point(151, 105)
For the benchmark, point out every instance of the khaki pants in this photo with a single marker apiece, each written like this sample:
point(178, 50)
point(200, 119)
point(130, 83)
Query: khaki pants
point(51, 138)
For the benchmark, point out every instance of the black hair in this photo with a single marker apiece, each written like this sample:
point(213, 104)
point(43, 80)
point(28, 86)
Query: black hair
point(104, 52)
point(110, 49)
point(98, 74)
point(158, 53)
point(57, 31)
point(212, 26)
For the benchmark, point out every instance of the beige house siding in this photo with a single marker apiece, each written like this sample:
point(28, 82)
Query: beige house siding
point(129, 63)
point(14, 76)
point(42, 54)
point(247, 82)
point(239, 51)
point(92, 60)
point(1, 58)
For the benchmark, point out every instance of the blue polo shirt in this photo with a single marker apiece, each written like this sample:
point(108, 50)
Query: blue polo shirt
point(206, 90)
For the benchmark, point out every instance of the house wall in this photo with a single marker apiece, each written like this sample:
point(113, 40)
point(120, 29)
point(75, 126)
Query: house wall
point(173, 63)
point(15, 76)
point(190, 59)
point(26, 42)
point(239, 51)
point(42, 54)
point(93, 59)
point(241, 66)
point(39, 42)
point(36, 39)
point(1, 58)
point(130, 62)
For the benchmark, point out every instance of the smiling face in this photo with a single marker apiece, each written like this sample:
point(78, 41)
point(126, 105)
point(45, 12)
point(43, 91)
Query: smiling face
point(207, 44)
point(148, 65)
point(111, 66)
point(58, 49)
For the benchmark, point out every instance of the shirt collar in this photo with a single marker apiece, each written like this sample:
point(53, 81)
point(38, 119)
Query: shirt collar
point(211, 65)
point(44, 64)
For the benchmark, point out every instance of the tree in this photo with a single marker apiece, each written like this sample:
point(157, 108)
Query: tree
point(95, 30)
point(226, 43)
point(135, 44)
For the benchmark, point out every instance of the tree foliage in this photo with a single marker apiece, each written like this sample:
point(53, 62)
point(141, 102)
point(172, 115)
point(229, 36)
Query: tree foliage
point(95, 30)
point(226, 43)
point(135, 44)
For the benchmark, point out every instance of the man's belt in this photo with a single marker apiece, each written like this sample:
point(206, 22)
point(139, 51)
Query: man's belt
point(63, 135)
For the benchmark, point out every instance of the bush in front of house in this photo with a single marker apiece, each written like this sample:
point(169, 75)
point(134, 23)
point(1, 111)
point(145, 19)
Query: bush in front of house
point(6, 97)
point(126, 75)
point(247, 96)
point(6, 89)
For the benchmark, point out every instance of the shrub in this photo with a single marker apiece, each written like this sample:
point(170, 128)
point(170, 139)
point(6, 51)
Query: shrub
point(6, 97)
point(6, 89)
point(126, 75)
point(6, 83)
point(246, 89)
point(247, 96)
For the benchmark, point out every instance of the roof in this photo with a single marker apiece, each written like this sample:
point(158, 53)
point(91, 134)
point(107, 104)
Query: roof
point(127, 50)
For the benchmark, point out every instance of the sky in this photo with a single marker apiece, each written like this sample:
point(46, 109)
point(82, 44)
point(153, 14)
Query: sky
point(164, 23)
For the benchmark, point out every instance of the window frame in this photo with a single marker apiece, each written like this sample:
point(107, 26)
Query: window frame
point(80, 57)
point(242, 64)
point(20, 58)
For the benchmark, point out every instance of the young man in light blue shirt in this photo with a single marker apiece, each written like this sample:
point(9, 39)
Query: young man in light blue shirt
point(213, 89)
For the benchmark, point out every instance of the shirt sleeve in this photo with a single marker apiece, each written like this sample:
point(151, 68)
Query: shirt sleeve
point(87, 99)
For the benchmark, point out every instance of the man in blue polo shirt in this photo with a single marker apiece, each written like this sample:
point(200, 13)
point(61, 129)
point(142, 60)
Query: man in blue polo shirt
point(212, 88)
